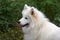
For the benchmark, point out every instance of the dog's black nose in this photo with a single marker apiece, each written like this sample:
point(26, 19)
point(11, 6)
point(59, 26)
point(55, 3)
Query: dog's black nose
point(18, 22)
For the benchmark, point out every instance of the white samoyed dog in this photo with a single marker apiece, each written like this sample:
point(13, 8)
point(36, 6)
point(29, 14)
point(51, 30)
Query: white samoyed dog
point(36, 26)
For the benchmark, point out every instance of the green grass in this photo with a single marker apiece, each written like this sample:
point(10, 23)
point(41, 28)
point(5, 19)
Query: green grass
point(12, 34)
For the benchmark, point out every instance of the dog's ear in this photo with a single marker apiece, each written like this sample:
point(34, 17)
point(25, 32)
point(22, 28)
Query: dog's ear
point(32, 11)
point(26, 6)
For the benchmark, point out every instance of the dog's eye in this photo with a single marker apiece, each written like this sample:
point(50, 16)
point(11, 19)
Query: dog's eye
point(26, 18)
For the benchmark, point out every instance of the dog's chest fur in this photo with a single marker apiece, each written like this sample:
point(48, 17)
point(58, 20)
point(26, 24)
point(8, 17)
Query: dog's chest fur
point(40, 34)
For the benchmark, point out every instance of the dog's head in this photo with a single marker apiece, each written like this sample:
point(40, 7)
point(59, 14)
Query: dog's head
point(25, 21)
point(30, 16)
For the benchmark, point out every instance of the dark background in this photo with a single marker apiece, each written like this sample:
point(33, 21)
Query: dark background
point(10, 13)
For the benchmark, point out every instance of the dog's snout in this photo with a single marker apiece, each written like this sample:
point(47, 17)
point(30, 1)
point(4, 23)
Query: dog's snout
point(18, 22)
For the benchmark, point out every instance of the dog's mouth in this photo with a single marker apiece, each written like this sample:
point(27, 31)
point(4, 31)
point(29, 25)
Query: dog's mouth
point(24, 25)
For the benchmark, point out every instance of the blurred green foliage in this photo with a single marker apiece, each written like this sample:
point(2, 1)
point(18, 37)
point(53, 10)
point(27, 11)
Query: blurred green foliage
point(10, 12)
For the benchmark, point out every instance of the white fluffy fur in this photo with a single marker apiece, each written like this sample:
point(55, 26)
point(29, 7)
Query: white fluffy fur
point(40, 28)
